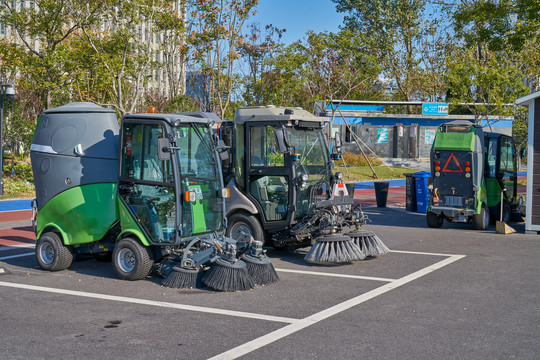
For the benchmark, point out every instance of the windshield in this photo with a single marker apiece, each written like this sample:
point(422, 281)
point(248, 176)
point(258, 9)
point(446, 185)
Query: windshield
point(310, 144)
point(199, 174)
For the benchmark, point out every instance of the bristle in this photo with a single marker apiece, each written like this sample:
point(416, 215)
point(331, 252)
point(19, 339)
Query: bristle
point(181, 278)
point(226, 276)
point(334, 252)
point(369, 243)
point(261, 270)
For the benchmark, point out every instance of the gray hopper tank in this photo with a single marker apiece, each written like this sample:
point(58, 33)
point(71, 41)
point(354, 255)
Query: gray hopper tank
point(75, 144)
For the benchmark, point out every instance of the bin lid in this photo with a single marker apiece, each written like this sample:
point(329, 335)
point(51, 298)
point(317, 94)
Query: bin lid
point(422, 174)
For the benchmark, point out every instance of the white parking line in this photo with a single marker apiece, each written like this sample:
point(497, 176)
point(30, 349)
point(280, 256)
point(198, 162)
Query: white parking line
point(23, 246)
point(334, 310)
point(151, 303)
point(294, 326)
point(16, 256)
point(318, 273)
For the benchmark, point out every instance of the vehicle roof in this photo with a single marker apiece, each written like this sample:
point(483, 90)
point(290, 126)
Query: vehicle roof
point(461, 123)
point(274, 113)
point(172, 118)
point(78, 107)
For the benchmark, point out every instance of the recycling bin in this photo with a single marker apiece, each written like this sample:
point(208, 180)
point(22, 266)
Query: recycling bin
point(410, 192)
point(381, 192)
point(422, 192)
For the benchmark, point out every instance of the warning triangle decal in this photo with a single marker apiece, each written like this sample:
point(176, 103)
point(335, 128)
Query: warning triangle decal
point(452, 167)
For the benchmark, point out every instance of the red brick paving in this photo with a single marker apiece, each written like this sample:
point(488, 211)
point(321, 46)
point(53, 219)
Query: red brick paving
point(17, 235)
point(20, 215)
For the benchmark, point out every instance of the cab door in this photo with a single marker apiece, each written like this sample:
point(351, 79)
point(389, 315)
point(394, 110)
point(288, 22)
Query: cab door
point(146, 183)
point(508, 168)
point(268, 176)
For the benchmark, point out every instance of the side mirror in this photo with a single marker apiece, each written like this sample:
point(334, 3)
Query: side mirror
point(164, 149)
point(223, 150)
point(282, 141)
point(336, 150)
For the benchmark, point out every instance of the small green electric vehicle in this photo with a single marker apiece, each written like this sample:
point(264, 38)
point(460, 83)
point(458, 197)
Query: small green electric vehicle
point(472, 170)
point(149, 195)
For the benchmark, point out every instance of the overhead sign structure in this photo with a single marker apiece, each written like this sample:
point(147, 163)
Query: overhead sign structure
point(434, 109)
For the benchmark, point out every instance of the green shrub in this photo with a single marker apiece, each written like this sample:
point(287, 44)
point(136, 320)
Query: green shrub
point(359, 160)
point(23, 171)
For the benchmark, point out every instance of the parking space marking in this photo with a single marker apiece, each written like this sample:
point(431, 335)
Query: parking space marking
point(318, 273)
point(334, 310)
point(152, 303)
point(23, 246)
point(16, 256)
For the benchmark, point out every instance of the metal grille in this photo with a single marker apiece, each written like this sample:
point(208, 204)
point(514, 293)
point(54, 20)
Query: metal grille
point(453, 201)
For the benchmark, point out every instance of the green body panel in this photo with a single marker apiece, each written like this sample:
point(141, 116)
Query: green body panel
point(493, 192)
point(454, 141)
point(129, 225)
point(198, 209)
point(482, 197)
point(82, 214)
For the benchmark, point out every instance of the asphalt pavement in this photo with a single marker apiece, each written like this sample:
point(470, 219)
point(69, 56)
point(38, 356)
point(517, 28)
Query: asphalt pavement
point(449, 293)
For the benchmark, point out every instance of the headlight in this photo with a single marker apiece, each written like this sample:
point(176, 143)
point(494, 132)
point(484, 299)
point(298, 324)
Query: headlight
point(305, 177)
point(339, 175)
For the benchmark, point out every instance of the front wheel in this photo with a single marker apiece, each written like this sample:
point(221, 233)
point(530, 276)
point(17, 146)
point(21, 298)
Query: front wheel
point(433, 220)
point(131, 260)
point(242, 223)
point(52, 254)
point(480, 221)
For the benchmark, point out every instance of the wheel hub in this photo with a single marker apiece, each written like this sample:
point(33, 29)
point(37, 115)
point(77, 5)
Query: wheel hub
point(240, 228)
point(47, 253)
point(126, 260)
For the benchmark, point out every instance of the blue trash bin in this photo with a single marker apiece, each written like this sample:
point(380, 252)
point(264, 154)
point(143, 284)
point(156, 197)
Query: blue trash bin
point(422, 191)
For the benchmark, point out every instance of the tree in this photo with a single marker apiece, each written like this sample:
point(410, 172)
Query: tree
point(128, 48)
point(325, 66)
point(397, 28)
point(42, 30)
point(257, 49)
point(214, 29)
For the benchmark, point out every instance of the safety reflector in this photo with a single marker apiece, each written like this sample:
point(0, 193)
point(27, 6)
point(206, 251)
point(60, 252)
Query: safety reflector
point(458, 170)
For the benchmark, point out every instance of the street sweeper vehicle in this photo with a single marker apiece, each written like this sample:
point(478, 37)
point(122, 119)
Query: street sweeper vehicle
point(149, 195)
point(472, 170)
point(283, 190)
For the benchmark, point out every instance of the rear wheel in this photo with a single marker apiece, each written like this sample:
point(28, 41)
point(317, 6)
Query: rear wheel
point(433, 220)
point(240, 223)
point(51, 253)
point(131, 260)
point(480, 221)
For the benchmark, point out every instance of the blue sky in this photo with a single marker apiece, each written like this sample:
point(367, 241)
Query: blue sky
point(298, 16)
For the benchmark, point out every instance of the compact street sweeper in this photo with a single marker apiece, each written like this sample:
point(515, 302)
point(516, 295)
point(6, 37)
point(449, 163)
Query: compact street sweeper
point(283, 190)
point(149, 195)
point(472, 170)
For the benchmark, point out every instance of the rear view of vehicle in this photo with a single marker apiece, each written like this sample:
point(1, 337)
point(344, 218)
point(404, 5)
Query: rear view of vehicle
point(457, 167)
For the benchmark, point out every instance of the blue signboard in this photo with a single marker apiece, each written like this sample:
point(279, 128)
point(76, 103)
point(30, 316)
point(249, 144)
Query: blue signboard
point(434, 109)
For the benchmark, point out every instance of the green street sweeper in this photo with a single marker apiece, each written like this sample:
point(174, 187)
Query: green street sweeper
point(472, 170)
point(148, 195)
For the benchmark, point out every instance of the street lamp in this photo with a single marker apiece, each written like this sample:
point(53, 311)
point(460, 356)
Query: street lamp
point(8, 92)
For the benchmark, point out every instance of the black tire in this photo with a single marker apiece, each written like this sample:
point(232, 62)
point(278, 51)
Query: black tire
point(131, 260)
point(433, 220)
point(247, 223)
point(481, 221)
point(51, 253)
